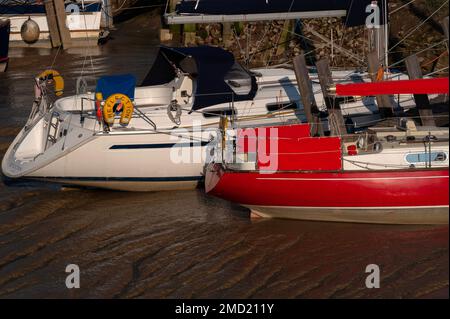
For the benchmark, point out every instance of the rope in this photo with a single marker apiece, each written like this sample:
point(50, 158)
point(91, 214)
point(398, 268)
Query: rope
point(417, 53)
point(406, 4)
point(436, 58)
point(438, 71)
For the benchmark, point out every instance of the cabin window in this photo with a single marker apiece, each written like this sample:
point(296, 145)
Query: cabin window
point(218, 113)
point(425, 157)
point(281, 106)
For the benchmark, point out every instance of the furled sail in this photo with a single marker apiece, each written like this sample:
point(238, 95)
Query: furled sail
point(216, 11)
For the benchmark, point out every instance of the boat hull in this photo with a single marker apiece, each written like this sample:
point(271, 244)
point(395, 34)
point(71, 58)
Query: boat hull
point(394, 215)
point(400, 197)
point(128, 162)
point(129, 184)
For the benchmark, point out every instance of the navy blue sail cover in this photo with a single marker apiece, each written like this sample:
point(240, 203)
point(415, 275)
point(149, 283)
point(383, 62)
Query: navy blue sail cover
point(113, 84)
point(356, 9)
point(208, 66)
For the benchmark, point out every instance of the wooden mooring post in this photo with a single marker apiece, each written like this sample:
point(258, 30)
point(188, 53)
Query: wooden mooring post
point(385, 102)
point(335, 117)
point(52, 24)
point(107, 20)
point(175, 29)
point(227, 33)
point(56, 20)
point(422, 101)
point(307, 95)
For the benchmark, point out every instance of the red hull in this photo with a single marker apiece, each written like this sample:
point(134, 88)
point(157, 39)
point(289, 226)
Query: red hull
point(374, 189)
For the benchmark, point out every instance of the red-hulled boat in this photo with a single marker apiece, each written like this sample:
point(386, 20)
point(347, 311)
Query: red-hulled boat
point(381, 186)
point(384, 177)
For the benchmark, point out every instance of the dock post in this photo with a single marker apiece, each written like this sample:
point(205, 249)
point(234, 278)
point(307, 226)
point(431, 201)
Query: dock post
point(107, 15)
point(227, 33)
point(189, 31)
point(61, 18)
point(175, 29)
point(282, 43)
point(422, 101)
point(335, 117)
point(307, 95)
point(52, 23)
point(385, 102)
point(56, 20)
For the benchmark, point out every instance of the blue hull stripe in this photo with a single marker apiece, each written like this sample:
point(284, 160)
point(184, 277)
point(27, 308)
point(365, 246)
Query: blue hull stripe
point(153, 146)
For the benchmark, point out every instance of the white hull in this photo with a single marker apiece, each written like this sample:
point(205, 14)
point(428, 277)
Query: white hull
point(95, 164)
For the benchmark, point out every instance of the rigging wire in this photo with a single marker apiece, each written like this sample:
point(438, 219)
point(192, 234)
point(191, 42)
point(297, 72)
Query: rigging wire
point(401, 7)
point(418, 26)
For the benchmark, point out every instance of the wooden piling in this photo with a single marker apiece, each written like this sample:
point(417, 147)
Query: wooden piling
point(107, 15)
point(227, 33)
point(175, 29)
point(422, 101)
point(61, 18)
point(52, 24)
point(189, 32)
point(282, 43)
point(335, 117)
point(385, 102)
point(307, 94)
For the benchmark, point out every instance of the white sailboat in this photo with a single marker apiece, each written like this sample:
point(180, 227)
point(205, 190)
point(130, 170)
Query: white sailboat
point(163, 140)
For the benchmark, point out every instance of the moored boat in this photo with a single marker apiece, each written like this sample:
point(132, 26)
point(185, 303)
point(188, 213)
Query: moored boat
point(403, 181)
point(394, 175)
point(175, 115)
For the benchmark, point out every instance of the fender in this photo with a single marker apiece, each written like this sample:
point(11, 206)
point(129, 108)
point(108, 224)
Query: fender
point(98, 106)
point(118, 103)
point(54, 77)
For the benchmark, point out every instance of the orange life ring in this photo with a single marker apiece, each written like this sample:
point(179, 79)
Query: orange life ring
point(55, 78)
point(118, 103)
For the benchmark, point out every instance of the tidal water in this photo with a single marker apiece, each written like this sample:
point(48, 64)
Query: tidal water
point(182, 244)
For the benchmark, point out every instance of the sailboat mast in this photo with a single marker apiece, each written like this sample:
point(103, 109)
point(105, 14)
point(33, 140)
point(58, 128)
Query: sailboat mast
point(386, 34)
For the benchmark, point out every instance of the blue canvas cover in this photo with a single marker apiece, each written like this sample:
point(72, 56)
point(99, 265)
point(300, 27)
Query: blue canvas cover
point(207, 65)
point(113, 84)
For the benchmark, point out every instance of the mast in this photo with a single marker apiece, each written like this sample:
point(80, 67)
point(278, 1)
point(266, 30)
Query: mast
point(386, 35)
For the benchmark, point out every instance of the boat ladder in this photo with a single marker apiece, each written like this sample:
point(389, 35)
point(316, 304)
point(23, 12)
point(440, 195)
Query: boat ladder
point(52, 131)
